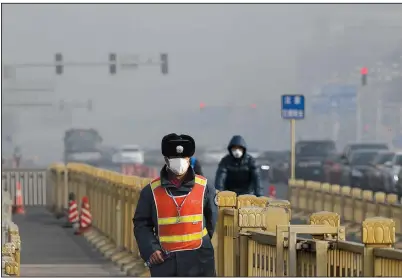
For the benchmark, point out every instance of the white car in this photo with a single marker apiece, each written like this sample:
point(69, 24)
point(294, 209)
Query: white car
point(395, 165)
point(129, 154)
point(212, 156)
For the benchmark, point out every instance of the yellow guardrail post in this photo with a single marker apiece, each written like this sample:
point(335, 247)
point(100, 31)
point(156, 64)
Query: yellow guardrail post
point(225, 199)
point(377, 232)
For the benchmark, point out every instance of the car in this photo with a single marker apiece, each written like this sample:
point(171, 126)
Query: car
point(154, 157)
point(212, 156)
point(333, 165)
point(398, 185)
point(274, 165)
point(254, 153)
point(87, 157)
point(394, 167)
point(79, 140)
point(129, 154)
point(310, 158)
point(378, 173)
point(362, 146)
point(354, 169)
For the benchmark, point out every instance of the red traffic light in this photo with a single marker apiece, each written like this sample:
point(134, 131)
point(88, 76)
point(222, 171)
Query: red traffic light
point(202, 105)
point(253, 105)
point(364, 71)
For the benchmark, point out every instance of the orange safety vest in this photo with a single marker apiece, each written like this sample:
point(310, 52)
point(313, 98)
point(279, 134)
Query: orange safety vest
point(180, 218)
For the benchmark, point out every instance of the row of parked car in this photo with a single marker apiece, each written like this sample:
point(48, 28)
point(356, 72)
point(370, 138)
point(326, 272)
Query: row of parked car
point(370, 166)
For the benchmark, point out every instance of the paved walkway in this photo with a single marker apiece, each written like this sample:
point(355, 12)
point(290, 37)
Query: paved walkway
point(48, 249)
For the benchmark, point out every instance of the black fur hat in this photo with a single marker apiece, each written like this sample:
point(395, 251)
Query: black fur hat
point(174, 145)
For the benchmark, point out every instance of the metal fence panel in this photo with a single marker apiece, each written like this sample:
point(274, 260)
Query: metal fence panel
point(33, 185)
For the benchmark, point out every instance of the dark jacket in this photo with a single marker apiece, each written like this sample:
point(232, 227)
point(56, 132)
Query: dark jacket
point(196, 166)
point(199, 262)
point(240, 175)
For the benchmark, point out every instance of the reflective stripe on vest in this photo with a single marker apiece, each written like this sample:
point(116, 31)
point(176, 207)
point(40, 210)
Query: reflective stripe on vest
point(184, 230)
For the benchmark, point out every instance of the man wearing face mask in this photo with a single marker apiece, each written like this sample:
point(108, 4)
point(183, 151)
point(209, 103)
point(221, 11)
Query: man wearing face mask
point(237, 171)
point(176, 216)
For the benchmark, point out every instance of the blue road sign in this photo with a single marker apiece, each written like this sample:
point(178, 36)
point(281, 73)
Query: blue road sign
point(339, 91)
point(397, 141)
point(336, 98)
point(320, 105)
point(293, 107)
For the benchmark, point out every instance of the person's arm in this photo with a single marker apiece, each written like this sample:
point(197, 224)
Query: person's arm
point(144, 226)
point(197, 168)
point(256, 179)
point(220, 177)
point(210, 210)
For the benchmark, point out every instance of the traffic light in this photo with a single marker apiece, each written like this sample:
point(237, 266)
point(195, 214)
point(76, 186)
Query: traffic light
point(202, 105)
point(59, 63)
point(364, 72)
point(164, 63)
point(112, 63)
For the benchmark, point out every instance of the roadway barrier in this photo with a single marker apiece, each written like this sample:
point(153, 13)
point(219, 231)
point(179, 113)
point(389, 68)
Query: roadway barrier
point(352, 204)
point(253, 236)
point(10, 240)
point(33, 185)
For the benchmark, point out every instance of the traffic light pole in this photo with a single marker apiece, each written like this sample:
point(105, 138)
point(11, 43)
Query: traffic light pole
point(358, 115)
point(113, 62)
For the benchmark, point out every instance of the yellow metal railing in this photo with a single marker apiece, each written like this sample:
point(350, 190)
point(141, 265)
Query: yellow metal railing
point(11, 241)
point(352, 204)
point(253, 236)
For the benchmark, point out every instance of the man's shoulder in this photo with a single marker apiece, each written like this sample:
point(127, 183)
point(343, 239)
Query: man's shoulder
point(226, 159)
point(249, 159)
point(147, 189)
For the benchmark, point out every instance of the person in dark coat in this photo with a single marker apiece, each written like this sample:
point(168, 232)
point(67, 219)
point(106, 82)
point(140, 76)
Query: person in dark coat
point(237, 171)
point(196, 165)
point(159, 199)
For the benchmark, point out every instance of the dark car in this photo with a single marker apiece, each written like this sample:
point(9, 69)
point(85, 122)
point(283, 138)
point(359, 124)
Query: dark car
point(398, 185)
point(87, 157)
point(274, 165)
point(333, 166)
point(378, 174)
point(393, 168)
point(310, 158)
point(100, 157)
point(355, 168)
point(362, 146)
point(78, 140)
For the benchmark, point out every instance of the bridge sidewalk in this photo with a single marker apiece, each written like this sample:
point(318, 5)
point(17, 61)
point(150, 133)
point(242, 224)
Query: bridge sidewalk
point(48, 249)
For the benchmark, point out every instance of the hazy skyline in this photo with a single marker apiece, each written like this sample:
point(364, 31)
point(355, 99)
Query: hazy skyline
point(219, 54)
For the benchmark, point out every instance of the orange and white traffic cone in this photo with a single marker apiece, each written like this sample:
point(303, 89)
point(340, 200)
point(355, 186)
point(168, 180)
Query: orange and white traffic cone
point(85, 217)
point(18, 207)
point(73, 217)
point(272, 191)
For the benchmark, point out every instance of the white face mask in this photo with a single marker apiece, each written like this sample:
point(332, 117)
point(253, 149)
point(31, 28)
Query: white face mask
point(178, 165)
point(237, 153)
